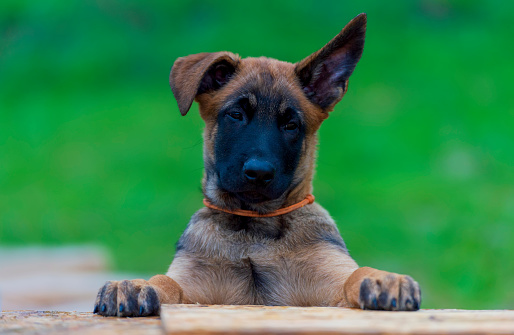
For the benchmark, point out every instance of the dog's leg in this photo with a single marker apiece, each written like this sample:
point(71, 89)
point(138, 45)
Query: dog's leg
point(368, 288)
point(137, 297)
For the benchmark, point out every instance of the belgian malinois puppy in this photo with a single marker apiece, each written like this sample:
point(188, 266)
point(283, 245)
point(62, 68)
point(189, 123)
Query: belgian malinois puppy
point(261, 240)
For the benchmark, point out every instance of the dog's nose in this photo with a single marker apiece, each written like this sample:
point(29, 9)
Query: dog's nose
point(258, 172)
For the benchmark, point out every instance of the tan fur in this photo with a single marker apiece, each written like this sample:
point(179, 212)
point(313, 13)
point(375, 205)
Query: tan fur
point(296, 259)
point(304, 270)
point(399, 287)
point(188, 73)
point(168, 290)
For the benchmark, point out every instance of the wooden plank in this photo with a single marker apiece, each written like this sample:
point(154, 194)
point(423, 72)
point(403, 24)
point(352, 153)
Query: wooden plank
point(38, 322)
point(200, 319)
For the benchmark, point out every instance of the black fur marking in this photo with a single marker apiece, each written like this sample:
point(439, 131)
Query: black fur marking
point(152, 302)
point(416, 305)
point(179, 246)
point(365, 292)
point(101, 294)
point(259, 134)
point(336, 240)
point(382, 300)
point(130, 309)
point(260, 282)
point(272, 229)
point(283, 227)
point(238, 223)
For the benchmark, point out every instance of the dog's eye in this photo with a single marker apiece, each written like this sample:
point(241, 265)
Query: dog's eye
point(236, 115)
point(291, 126)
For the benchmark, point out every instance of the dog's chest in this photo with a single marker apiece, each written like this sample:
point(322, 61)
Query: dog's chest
point(268, 274)
point(261, 266)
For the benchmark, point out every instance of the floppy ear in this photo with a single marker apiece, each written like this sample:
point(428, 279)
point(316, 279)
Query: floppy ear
point(200, 73)
point(324, 74)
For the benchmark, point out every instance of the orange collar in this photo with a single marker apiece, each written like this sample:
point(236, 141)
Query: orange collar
point(309, 199)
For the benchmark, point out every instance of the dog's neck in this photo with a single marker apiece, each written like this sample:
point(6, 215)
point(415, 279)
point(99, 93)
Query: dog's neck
point(300, 188)
point(223, 199)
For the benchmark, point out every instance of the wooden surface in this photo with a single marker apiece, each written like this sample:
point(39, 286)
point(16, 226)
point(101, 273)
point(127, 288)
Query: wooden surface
point(196, 319)
point(199, 319)
point(37, 322)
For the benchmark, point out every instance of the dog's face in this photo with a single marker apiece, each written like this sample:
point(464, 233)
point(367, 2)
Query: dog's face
point(262, 116)
point(258, 143)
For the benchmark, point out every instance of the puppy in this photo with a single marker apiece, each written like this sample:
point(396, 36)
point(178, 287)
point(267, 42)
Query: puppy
point(260, 239)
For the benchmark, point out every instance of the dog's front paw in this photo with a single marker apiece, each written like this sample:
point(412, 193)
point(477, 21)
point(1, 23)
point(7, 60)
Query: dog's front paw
point(390, 292)
point(127, 298)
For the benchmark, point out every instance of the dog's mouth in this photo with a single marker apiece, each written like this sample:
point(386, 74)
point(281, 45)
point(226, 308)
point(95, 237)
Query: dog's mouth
point(251, 197)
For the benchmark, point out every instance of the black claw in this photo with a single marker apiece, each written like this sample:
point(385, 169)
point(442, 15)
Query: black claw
point(121, 308)
point(95, 311)
point(141, 310)
point(393, 302)
point(375, 302)
point(104, 308)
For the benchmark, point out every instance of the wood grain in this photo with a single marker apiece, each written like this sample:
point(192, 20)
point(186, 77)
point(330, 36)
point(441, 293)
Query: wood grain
point(199, 319)
point(43, 322)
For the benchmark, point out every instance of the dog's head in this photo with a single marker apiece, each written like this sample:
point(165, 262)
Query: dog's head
point(262, 116)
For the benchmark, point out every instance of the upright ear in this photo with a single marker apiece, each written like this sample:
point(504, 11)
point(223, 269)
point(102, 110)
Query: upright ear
point(324, 74)
point(200, 73)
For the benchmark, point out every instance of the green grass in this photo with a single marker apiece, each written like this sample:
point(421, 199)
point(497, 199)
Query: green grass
point(415, 164)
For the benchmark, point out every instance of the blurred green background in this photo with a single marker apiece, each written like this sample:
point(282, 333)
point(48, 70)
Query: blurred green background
point(415, 164)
